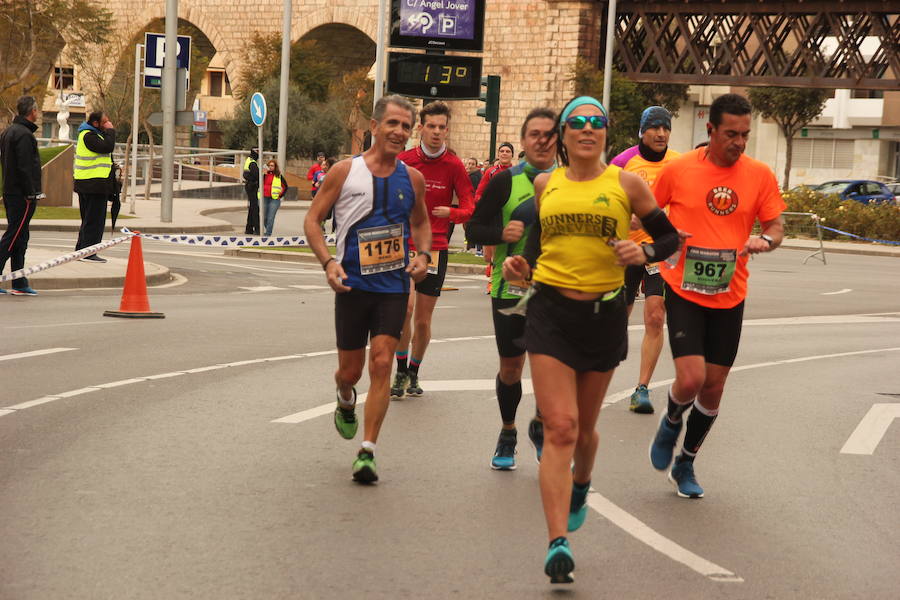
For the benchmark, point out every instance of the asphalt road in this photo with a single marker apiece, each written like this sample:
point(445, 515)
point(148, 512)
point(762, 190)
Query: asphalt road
point(173, 458)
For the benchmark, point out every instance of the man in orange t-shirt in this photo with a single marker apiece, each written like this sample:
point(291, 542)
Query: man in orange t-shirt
point(714, 195)
point(647, 160)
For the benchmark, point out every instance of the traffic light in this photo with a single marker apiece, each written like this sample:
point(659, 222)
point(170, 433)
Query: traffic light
point(490, 95)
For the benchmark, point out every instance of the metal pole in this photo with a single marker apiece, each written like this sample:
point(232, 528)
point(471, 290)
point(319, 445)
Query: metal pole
point(607, 59)
point(283, 90)
point(259, 187)
point(379, 52)
point(135, 127)
point(493, 151)
point(170, 65)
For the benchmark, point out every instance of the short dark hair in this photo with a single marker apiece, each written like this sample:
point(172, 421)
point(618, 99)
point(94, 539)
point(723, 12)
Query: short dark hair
point(733, 104)
point(25, 105)
point(96, 115)
point(534, 113)
point(432, 109)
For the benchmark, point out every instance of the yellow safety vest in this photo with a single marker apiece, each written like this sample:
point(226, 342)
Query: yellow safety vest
point(90, 164)
point(277, 187)
point(249, 161)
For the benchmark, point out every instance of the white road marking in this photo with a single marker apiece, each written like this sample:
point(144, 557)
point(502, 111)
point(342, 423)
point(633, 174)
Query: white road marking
point(871, 429)
point(263, 269)
point(35, 353)
point(106, 322)
point(843, 291)
point(663, 545)
point(446, 307)
point(310, 287)
point(5, 412)
point(261, 288)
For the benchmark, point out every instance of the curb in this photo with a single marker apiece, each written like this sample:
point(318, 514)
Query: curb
point(310, 259)
point(154, 275)
point(224, 228)
point(858, 251)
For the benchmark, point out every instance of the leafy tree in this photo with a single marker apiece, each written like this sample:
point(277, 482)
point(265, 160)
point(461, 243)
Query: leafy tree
point(791, 109)
point(628, 100)
point(312, 127)
point(31, 37)
point(311, 69)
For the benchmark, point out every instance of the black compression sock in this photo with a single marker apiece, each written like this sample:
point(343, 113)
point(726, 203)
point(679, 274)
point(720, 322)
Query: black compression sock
point(508, 397)
point(674, 410)
point(699, 422)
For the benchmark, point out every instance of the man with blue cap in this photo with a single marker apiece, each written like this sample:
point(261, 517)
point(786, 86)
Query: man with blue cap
point(647, 159)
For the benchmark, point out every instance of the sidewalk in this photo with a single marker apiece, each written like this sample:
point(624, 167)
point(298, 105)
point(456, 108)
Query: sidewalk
point(198, 216)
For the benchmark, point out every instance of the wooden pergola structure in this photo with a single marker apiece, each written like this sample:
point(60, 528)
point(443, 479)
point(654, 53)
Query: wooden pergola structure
point(837, 44)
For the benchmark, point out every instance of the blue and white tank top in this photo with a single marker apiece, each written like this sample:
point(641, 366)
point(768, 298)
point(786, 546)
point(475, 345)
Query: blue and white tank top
point(372, 216)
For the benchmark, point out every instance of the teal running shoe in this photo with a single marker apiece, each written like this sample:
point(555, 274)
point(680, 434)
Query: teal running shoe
point(682, 475)
point(364, 467)
point(559, 563)
point(662, 447)
point(578, 506)
point(345, 419)
point(413, 389)
point(398, 389)
point(536, 436)
point(505, 455)
point(640, 401)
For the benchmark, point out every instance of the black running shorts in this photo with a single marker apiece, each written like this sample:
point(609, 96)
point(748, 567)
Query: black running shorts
point(508, 329)
point(359, 314)
point(634, 275)
point(433, 282)
point(585, 335)
point(713, 333)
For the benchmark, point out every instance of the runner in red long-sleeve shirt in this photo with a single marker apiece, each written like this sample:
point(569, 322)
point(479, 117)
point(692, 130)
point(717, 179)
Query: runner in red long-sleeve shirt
point(444, 175)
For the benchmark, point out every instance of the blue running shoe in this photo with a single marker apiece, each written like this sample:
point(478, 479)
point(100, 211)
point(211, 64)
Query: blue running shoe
point(662, 448)
point(2, 291)
point(25, 291)
point(505, 455)
point(682, 475)
point(578, 506)
point(536, 435)
point(559, 563)
point(640, 401)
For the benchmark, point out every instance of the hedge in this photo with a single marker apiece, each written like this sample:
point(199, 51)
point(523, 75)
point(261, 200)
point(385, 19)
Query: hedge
point(874, 221)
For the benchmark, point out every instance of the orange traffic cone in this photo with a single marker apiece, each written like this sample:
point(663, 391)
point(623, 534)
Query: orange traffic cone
point(135, 303)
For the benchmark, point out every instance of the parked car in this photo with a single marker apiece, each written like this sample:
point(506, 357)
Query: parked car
point(861, 190)
point(895, 190)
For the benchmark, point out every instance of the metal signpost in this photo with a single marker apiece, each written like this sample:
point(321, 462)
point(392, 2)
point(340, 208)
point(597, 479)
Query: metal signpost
point(258, 116)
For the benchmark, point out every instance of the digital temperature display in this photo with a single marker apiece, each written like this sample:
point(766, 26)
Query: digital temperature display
point(434, 76)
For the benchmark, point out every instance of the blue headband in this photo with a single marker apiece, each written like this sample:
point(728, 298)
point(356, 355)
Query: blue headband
point(579, 101)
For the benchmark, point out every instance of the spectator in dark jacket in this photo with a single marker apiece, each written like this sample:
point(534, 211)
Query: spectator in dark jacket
point(251, 188)
point(21, 188)
point(95, 187)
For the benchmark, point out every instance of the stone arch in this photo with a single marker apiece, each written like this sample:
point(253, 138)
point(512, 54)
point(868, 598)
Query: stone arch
point(196, 17)
point(354, 17)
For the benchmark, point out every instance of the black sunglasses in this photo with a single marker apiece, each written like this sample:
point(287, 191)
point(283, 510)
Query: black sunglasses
point(596, 121)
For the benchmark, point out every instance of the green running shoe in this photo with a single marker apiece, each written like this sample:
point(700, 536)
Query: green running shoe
point(398, 390)
point(413, 388)
point(559, 563)
point(364, 467)
point(640, 401)
point(345, 419)
point(578, 506)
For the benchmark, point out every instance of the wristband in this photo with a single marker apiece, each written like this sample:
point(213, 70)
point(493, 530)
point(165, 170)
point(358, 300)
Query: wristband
point(767, 239)
point(423, 253)
point(325, 266)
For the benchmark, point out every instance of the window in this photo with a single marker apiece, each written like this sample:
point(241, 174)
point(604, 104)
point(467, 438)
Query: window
point(218, 82)
point(822, 154)
point(63, 78)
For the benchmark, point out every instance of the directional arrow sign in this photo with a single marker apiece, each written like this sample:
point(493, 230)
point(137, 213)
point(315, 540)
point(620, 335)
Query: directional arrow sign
point(258, 109)
point(871, 429)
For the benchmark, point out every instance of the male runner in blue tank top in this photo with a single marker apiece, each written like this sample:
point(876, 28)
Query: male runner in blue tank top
point(378, 202)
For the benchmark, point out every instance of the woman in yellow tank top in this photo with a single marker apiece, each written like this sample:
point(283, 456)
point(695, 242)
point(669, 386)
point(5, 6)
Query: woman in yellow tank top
point(576, 324)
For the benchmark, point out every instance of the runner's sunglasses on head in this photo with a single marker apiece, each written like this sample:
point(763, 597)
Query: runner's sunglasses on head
point(596, 121)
